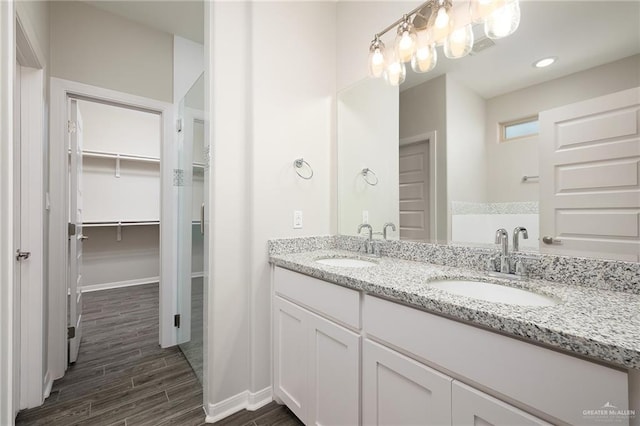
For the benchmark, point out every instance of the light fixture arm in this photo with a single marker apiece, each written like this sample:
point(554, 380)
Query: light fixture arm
point(404, 17)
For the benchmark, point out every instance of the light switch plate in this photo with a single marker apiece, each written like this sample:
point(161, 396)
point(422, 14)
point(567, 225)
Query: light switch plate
point(365, 216)
point(297, 219)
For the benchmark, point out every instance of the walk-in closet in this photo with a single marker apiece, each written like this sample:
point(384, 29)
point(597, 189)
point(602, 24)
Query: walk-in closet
point(121, 196)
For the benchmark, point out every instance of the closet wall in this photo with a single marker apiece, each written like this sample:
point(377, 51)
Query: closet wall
point(121, 176)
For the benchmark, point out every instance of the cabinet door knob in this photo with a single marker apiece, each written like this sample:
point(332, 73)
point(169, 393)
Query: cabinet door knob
point(550, 240)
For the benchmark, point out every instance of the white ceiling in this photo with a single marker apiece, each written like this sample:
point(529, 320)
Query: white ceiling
point(184, 18)
point(582, 34)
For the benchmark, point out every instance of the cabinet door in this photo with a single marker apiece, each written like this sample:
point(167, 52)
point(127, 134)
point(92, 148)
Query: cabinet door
point(472, 407)
point(291, 355)
point(400, 391)
point(334, 374)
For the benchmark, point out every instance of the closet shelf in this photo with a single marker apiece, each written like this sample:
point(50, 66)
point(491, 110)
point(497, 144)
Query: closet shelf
point(114, 155)
point(113, 224)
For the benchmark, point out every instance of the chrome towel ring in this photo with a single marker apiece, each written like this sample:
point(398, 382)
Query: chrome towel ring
point(368, 175)
point(298, 164)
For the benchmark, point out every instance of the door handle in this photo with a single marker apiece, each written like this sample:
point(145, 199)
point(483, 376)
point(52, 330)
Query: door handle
point(202, 219)
point(22, 255)
point(84, 237)
point(550, 240)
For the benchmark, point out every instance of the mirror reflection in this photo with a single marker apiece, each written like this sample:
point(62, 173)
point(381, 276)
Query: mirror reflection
point(457, 151)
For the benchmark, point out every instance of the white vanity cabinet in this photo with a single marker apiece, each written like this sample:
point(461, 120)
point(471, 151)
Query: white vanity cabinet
point(342, 357)
point(538, 379)
point(397, 390)
point(470, 407)
point(316, 360)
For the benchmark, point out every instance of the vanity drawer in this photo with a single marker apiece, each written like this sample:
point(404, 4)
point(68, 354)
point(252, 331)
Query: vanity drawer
point(527, 373)
point(336, 302)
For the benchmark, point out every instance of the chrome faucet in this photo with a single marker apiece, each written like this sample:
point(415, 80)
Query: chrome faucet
point(368, 242)
point(513, 268)
point(516, 233)
point(384, 229)
point(502, 238)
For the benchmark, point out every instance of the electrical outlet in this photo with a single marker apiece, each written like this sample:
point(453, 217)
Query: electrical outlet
point(365, 216)
point(297, 219)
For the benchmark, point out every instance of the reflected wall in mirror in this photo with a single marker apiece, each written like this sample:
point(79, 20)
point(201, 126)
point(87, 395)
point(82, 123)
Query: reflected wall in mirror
point(451, 122)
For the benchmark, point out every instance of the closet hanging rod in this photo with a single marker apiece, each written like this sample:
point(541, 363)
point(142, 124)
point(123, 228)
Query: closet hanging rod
point(103, 154)
point(112, 224)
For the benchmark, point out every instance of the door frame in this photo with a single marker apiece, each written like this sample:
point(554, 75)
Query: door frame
point(31, 324)
point(8, 404)
point(22, 351)
point(61, 90)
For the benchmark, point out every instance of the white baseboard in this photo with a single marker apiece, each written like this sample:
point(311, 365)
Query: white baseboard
point(118, 284)
point(244, 400)
point(259, 399)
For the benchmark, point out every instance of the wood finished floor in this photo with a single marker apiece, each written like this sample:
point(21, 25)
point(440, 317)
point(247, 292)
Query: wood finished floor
point(123, 377)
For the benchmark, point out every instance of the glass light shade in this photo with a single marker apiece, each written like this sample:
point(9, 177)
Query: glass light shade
point(442, 18)
point(459, 42)
point(425, 59)
point(480, 9)
point(406, 40)
point(503, 21)
point(426, 56)
point(376, 59)
point(440, 23)
point(395, 73)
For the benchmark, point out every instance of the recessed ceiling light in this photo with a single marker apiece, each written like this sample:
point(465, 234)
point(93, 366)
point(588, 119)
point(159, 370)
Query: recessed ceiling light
point(545, 62)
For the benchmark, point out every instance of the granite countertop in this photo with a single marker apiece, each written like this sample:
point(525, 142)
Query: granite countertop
point(599, 324)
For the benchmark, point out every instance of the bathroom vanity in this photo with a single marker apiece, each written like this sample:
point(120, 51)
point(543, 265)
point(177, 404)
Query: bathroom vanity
point(376, 344)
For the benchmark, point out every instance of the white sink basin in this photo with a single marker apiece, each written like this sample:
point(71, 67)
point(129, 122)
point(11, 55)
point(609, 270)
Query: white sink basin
point(494, 293)
point(346, 262)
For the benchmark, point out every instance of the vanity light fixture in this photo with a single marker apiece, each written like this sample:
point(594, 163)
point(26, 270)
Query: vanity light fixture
point(545, 62)
point(436, 23)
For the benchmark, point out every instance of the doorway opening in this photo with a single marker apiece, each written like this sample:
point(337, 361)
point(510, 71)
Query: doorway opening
point(114, 197)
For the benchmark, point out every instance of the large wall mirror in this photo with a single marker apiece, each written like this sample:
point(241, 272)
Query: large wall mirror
point(454, 154)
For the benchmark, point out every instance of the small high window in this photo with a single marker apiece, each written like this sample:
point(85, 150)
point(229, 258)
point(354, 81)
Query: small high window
point(518, 129)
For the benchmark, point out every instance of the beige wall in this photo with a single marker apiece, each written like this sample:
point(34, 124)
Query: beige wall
point(368, 138)
point(466, 150)
point(95, 47)
point(34, 16)
point(268, 112)
point(508, 162)
point(423, 110)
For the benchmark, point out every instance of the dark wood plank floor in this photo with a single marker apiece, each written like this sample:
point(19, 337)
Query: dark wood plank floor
point(271, 414)
point(123, 377)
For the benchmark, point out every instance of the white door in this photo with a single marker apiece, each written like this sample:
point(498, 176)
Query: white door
point(475, 408)
point(590, 177)
point(75, 237)
point(397, 390)
point(334, 374)
point(414, 192)
point(291, 354)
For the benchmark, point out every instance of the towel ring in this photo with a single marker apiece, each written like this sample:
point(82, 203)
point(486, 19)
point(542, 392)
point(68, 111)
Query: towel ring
point(298, 165)
point(365, 175)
